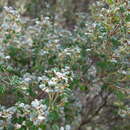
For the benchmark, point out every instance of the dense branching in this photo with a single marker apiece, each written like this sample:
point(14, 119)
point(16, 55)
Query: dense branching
point(65, 75)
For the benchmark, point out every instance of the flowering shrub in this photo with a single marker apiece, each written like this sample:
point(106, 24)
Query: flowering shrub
point(51, 78)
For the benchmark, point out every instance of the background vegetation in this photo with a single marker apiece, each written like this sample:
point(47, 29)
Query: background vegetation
point(64, 65)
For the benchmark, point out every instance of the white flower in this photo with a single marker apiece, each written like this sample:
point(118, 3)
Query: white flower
point(37, 22)
point(41, 118)
point(124, 72)
point(113, 60)
point(62, 128)
point(45, 78)
point(40, 79)
point(35, 103)
point(42, 52)
point(94, 25)
point(44, 107)
point(47, 18)
point(0, 114)
point(56, 40)
point(16, 27)
point(7, 57)
point(49, 90)
point(60, 75)
point(27, 79)
point(92, 71)
point(67, 127)
point(24, 88)
point(88, 49)
point(39, 128)
point(46, 113)
point(36, 122)
point(42, 86)
point(21, 105)
point(128, 42)
point(5, 26)
point(23, 123)
point(52, 83)
point(100, 36)
point(17, 126)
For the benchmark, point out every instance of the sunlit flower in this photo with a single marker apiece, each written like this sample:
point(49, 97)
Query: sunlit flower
point(35, 103)
point(27, 79)
point(67, 127)
point(41, 118)
point(18, 126)
point(21, 104)
point(62, 128)
point(42, 86)
point(52, 83)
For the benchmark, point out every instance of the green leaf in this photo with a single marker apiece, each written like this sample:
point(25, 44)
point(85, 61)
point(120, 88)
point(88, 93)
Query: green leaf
point(55, 127)
point(120, 95)
point(110, 1)
point(83, 88)
point(122, 9)
point(2, 89)
point(53, 116)
point(128, 18)
point(43, 126)
point(115, 42)
point(2, 67)
point(10, 127)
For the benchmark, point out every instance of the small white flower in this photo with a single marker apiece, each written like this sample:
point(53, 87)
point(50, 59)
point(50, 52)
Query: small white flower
point(43, 106)
point(49, 90)
point(100, 36)
point(51, 83)
point(23, 123)
point(114, 60)
point(67, 127)
point(124, 72)
point(62, 128)
point(128, 42)
point(42, 86)
point(27, 79)
point(39, 128)
point(45, 78)
point(0, 114)
point(92, 71)
point(7, 57)
point(5, 26)
point(88, 49)
point(56, 41)
point(42, 52)
point(36, 122)
point(17, 126)
point(37, 22)
point(68, 53)
point(60, 75)
point(46, 113)
point(47, 18)
point(94, 25)
point(24, 88)
point(21, 105)
point(35, 103)
point(41, 118)
point(40, 79)
point(16, 27)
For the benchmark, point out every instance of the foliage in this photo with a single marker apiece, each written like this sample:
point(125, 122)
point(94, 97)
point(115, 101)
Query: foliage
point(52, 78)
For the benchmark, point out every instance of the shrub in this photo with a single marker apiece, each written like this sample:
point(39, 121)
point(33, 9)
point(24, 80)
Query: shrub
point(57, 79)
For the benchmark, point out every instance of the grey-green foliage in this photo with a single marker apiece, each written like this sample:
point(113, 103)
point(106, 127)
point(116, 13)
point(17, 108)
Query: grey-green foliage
point(55, 78)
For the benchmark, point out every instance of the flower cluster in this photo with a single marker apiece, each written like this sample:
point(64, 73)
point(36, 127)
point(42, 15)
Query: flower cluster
point(36, 113)
point(52, 78)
